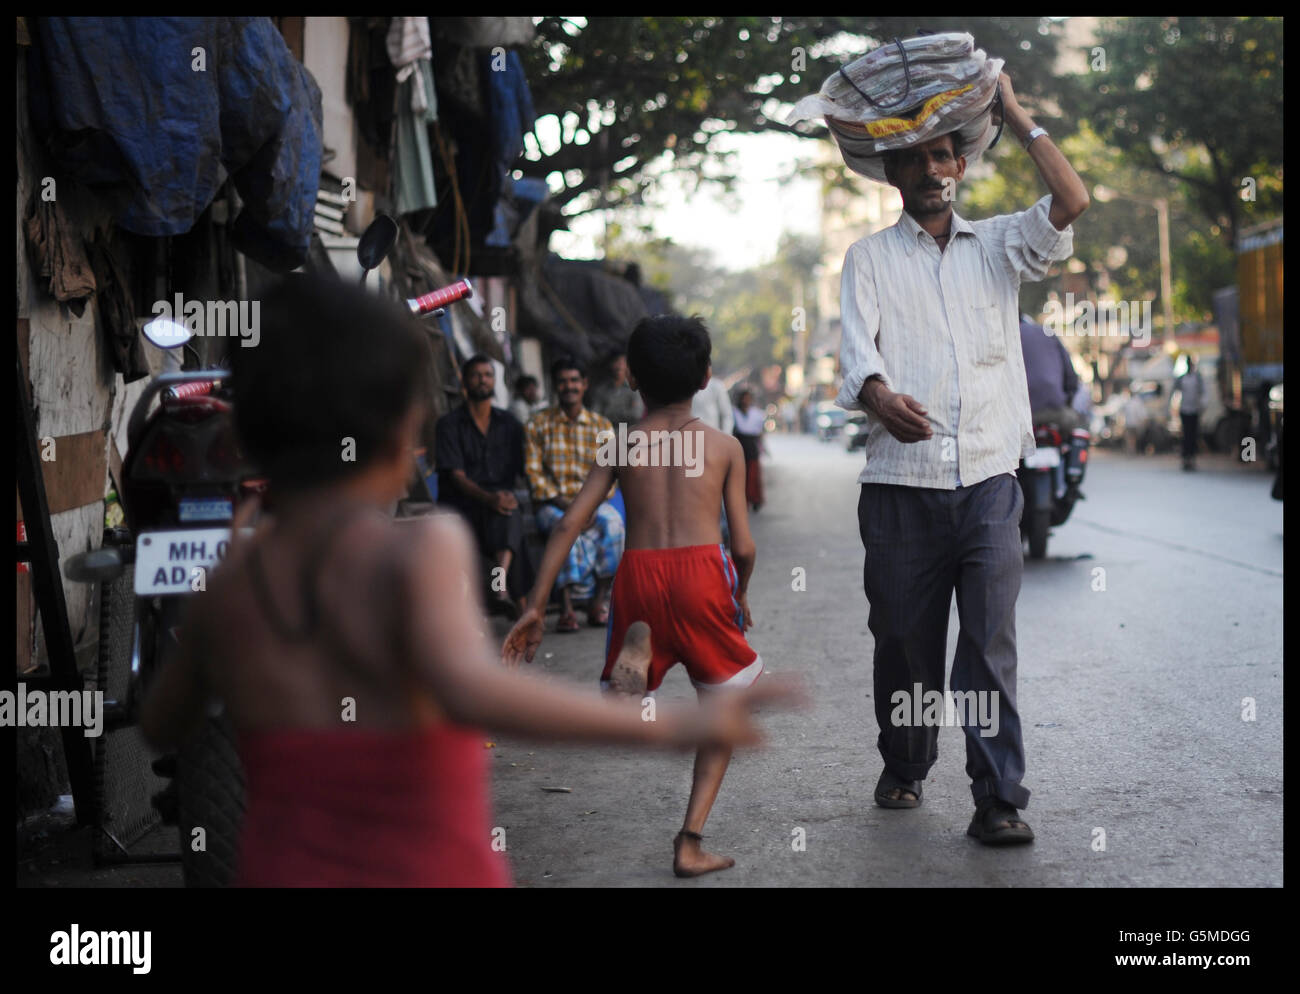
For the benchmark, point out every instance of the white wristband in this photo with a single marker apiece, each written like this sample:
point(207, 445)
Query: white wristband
point(1036, 133)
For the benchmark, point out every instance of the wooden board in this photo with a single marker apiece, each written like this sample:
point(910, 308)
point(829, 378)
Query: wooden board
point(75, 477)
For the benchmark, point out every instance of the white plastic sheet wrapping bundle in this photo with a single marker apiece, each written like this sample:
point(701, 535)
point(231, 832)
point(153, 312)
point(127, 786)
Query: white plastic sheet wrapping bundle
point(906, 92)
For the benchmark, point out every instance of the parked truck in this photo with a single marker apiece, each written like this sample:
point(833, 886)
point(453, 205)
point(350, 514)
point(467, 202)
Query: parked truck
point(1250, 335)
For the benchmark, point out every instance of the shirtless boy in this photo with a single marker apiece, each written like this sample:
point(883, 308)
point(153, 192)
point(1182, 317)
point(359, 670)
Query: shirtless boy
point(678, 596)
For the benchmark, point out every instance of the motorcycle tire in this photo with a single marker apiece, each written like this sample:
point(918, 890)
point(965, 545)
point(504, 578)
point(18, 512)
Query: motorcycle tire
point(1040, 521)
point(210, 791)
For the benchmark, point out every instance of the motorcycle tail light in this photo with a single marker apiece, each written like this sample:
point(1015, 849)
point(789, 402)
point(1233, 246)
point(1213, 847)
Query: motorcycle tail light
point(164, 457)
point(1044, 435)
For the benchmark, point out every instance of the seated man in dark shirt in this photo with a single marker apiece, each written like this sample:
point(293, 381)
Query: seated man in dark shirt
point(480, 456)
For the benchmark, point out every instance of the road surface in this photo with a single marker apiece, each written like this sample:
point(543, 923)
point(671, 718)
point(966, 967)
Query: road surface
point(1145, 635)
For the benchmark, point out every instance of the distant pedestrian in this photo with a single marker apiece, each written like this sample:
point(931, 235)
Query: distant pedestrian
point(1050, 375)
point(527, 400)
point(1191, 388)
point(615, 399)
point(1136, 417)
point(712, 405)
point(749, 429)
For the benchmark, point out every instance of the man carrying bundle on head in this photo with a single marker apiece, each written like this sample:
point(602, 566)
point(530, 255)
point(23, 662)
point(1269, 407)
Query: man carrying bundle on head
point(931, 351)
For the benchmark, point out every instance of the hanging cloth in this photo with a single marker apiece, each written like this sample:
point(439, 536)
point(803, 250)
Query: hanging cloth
point(410, 51)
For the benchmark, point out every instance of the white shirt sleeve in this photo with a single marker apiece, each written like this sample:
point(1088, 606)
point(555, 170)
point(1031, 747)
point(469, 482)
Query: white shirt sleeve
point(1029, 243)
point(859, 328)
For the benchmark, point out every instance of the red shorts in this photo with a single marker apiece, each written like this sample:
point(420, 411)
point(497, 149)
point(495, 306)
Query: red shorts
point(688, 598)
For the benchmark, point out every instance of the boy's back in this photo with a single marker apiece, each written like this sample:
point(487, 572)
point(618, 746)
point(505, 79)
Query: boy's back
point(674, 499)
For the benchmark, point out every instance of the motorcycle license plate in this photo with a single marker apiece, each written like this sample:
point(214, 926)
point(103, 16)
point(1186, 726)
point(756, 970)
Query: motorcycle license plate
point(206, 509)
point(177, 562)
point(1043, 459)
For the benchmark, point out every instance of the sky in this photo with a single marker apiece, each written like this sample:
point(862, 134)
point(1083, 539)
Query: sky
point(741, 234)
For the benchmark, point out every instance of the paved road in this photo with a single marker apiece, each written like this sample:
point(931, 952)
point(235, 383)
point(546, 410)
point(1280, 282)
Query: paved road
point(1132, 697)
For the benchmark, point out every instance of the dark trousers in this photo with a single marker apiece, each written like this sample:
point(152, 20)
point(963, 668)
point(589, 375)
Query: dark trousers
point(495, 532)
point(1191, 434)
point(921, 546)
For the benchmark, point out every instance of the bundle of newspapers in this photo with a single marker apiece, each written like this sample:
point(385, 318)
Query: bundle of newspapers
point(905, 92)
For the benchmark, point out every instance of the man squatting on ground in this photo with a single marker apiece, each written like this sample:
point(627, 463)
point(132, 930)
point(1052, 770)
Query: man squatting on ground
point(678, 596)
point(931, 349)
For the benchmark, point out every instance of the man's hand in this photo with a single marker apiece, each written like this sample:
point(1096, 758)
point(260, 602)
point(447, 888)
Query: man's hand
point(903, 416)
point(1008, 98)
point(522, 642)
point(503, 502)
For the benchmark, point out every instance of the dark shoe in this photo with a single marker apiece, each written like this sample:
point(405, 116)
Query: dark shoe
point(997, 823)
point(499, 605)
point(888, 784)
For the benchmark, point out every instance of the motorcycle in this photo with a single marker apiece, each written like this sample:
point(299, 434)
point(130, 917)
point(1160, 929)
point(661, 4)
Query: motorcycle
point(183, 479)
point(1051, 478)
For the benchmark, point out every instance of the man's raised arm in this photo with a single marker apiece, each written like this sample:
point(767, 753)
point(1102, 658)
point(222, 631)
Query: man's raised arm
point(1069, 195)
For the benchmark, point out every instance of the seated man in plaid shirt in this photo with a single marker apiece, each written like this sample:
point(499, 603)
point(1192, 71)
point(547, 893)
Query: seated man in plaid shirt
point(560, 450)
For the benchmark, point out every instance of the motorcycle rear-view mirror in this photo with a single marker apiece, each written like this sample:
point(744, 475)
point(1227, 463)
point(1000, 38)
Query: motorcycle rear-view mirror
point(166, 333)
point(375, 243)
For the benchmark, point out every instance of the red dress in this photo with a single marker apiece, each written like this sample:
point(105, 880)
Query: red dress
point(357, 807)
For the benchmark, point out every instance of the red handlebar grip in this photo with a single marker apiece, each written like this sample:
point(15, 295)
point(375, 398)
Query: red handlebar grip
point(441, 297)
point(197, 389)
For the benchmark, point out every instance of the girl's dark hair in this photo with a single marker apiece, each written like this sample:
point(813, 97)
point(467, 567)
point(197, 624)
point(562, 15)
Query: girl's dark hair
point(323, 392)
point(669, 356)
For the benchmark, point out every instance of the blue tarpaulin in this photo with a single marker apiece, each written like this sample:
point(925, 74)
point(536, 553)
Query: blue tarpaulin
point(152, 108)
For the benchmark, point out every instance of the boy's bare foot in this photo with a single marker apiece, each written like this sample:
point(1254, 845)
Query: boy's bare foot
point(631, 671)
point(690, 860)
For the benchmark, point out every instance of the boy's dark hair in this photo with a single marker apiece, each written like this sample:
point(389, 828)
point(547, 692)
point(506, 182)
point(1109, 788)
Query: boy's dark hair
point(668, 355)
point(524, 382)
point(477, 359)
point(333, 364)
point(567, 362)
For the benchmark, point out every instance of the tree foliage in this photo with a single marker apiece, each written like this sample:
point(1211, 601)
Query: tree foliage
point(750, 314)
point(1196, 100)
point(630, 92)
